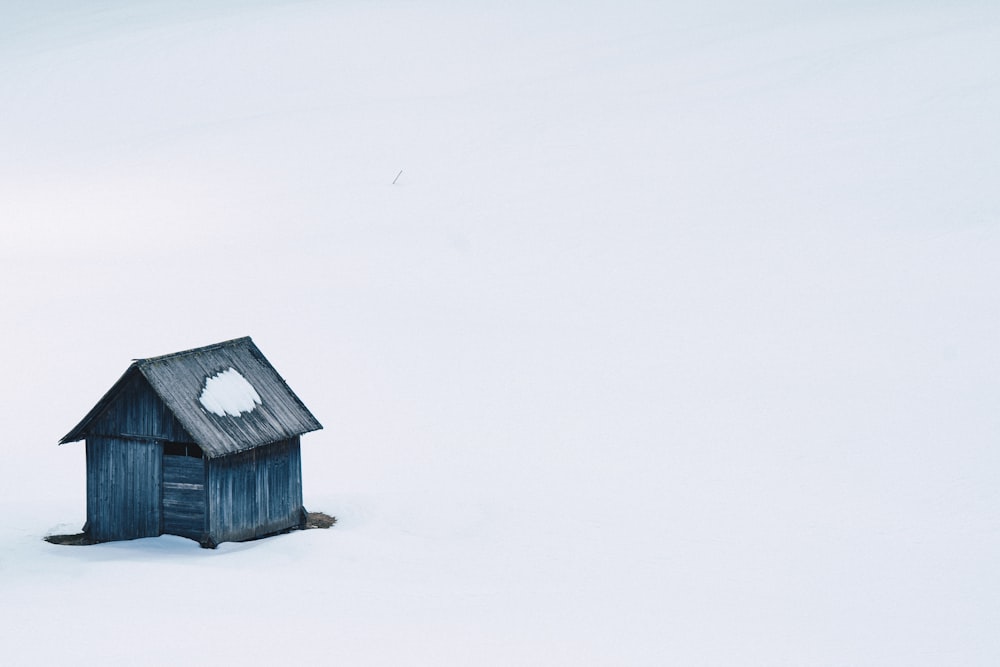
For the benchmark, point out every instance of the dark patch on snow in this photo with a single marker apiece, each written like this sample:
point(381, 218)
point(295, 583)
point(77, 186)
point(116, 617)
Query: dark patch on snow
point(76, 540)
point(313, 520)
point(319, 520)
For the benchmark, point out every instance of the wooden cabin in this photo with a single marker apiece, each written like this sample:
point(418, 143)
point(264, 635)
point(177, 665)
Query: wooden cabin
point(202, 443)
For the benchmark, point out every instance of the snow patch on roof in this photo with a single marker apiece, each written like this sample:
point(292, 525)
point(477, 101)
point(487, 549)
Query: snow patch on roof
point(229, 393)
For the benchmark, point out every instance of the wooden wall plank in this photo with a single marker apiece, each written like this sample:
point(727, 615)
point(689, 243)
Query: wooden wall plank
point(123, 489)
point(138, 412)
point(255, 493)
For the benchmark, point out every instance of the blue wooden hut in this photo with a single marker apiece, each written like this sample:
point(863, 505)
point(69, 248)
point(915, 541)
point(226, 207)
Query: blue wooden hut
point(202, 443)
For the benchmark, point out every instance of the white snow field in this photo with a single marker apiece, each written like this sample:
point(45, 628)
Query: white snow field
point(674, 343)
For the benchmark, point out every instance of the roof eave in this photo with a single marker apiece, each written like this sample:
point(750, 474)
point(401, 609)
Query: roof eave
point(209, 454)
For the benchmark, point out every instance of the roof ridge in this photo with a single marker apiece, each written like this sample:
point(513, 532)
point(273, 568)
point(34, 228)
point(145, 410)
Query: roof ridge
point(194, 350)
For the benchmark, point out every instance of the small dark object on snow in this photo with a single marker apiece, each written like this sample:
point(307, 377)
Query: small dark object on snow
point(319, 520)
point(79, 539)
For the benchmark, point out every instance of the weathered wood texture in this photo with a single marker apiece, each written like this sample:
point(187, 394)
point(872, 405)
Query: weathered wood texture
point(184, 497)
point(137, 411)
point(255, 493)
point(123, 488)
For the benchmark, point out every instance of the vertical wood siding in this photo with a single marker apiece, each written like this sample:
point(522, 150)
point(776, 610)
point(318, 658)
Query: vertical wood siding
point(255, 493)
point(138, 411)
point(184, 497)
point(123, 488)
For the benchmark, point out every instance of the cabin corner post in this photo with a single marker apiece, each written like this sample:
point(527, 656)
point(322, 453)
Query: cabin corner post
point(88, 525)
point(295, 478)
point(207, 540)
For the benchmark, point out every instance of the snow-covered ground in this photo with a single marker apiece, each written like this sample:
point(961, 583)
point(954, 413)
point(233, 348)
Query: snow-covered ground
point(674, 343)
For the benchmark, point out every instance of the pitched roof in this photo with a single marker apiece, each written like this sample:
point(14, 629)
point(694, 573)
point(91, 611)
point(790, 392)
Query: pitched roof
point(227, 396)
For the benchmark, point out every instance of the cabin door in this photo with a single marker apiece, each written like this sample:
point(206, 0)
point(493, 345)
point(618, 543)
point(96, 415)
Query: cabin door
point(183, 494)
